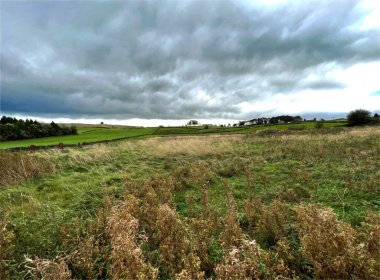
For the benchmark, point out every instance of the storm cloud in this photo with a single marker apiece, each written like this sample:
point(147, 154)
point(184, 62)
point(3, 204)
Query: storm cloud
point(176, 60)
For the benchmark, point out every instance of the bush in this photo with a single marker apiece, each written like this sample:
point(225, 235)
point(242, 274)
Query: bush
point(359, 117)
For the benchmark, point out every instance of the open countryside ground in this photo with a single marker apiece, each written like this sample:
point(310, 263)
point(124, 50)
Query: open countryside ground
point(289, 204)
point(90, 134)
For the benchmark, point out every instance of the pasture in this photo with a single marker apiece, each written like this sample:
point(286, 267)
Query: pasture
point(296, 203)
point(93, 133)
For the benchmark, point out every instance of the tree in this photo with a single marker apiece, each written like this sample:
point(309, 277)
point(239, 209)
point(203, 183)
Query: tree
point(192, 122)
point(359, 117)
point(14, 129)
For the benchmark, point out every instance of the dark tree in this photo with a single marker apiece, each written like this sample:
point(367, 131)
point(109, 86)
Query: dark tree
point(14, 129)
point(192, 122)
point(359, 117)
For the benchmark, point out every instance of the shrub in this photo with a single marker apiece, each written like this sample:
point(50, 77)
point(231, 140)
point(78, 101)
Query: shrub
point(359, 117)
point(333, 246)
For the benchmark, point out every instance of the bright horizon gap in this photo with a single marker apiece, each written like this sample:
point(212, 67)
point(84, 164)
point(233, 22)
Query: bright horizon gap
point(166, 122)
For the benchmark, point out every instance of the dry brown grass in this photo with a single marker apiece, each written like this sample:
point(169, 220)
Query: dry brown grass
point(177, 255)
point(249, 261)
point(232, 235)
point(189, 145)
point(274, 221)
point(47, 269)
point(77, 156)
point(143, 237)
point(16, 167)
point(332, 245)
point(126, 256)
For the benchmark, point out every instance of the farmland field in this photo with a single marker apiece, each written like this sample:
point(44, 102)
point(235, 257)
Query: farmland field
point(296, 203)
point(88, 134)
point(85, 134)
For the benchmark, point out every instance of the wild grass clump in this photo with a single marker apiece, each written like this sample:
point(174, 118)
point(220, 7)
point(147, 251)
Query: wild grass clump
point(47, 269)
point(176, 253)
point(249, 261)
point(16, 167)
point(333, 247)
point(232, 235)
point(127, 260)
point(6, 247)
point(274, 222)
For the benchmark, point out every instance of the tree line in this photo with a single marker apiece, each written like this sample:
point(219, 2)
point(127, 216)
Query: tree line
point(15, 129)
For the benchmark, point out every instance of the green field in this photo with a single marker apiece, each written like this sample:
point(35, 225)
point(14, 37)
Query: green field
point(85, 134)
point(94, 134)
point(299, 199)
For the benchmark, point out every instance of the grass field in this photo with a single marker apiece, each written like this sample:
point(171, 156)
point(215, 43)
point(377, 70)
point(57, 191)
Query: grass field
point(100, 133)
point(85, 134)
point(297, 203)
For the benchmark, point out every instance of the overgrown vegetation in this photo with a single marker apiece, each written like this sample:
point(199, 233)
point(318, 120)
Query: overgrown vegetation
point(17, 167)
point(284, 205)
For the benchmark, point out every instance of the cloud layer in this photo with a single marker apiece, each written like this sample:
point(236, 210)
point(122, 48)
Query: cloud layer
point(178, 60)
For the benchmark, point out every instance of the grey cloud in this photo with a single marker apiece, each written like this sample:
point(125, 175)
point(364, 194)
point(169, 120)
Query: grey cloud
point(149, 59)
point(324, 84)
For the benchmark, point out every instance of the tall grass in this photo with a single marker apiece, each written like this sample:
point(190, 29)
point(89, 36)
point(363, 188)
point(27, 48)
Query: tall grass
point(18, 167)
point(293, 205)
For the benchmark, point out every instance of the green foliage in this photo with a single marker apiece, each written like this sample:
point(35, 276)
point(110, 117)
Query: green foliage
point(16, 129)
point(359, 117)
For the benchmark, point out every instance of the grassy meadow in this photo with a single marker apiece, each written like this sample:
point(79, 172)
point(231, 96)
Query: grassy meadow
point(273, 203)
point(94, 133)
point(85, 134)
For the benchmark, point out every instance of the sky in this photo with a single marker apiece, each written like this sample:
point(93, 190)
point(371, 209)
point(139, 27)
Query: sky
point(165, 62)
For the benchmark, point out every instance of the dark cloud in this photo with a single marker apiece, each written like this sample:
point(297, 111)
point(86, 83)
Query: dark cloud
point(167, 59)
